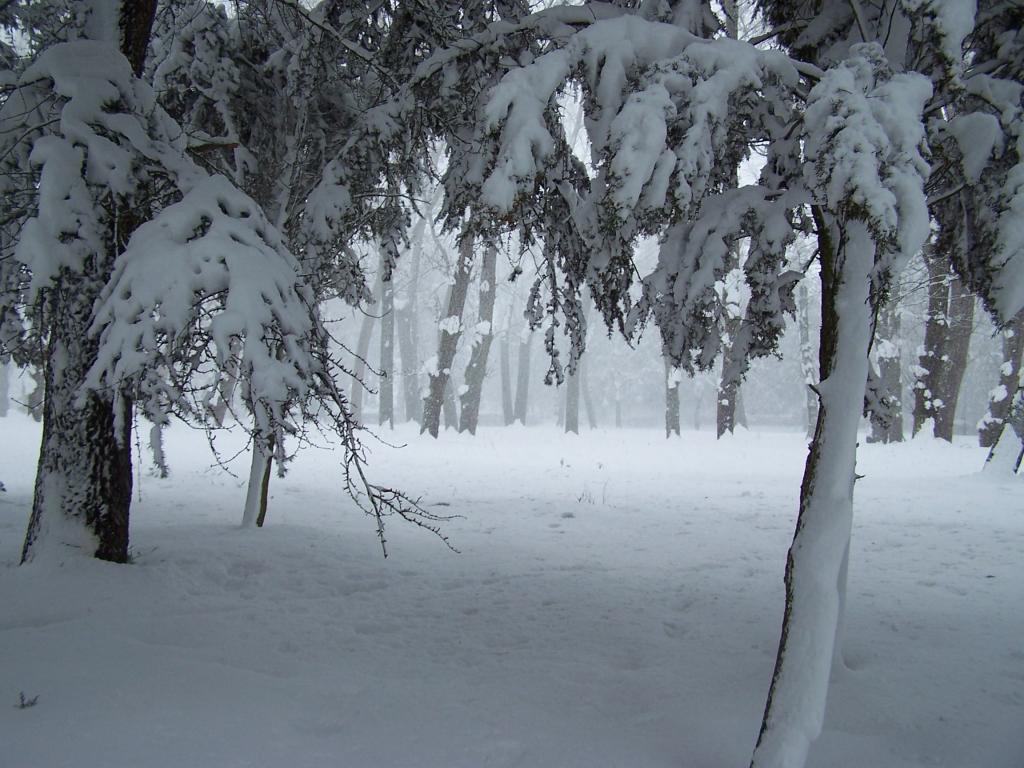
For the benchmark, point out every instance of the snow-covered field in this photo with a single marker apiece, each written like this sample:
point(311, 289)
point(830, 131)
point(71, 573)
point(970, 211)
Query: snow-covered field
point(616, 602)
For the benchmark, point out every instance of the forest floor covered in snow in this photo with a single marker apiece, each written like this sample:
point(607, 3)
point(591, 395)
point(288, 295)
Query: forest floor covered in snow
point(616, 602)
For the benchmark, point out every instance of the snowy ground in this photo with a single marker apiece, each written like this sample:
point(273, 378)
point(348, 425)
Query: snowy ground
point(616, 602)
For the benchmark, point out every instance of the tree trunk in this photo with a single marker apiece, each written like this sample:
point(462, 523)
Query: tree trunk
point(888, 427)
point(408, 332)
point(258, 489)
point(448, 342)
point(941, 366)
point(386, 409)
point(359, 364)
point(954, 360)
point(1006, 454)
point(477, 368)
point(156, 449)
point(815, 567)
point(523, 379)
point(807, 356)
point(34, 399)
point(671, 400)
point(226, 386)
point(84, 478)
point(729, 384)
point(507, 409)
point(999, 399)
point(572, 402)
point(588, 402)
point(5, 387)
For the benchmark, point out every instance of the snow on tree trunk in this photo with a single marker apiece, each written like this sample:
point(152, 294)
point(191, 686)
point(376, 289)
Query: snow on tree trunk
point(448, 342)
point(671, 400)
point(888, 427)
point(795, 709)
point(84, 475)
point(943, 358)
point(476, 370)
point(156, 449)
point(255, 510)
point(807, 356)
point(507, 410)
point(954, 363)
point(386, 409)
point(1000, 398)
point(1006, 454)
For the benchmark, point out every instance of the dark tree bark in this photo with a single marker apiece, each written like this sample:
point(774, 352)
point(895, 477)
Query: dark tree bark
point(448, 342)
point(888, 427)
point(947, 336)
point(523, 379)
point(84, 476)
point(477, 368)
point(1009, 375)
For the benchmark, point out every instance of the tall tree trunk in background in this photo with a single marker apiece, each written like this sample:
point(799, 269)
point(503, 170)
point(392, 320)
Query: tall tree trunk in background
point(362, 352)
point(807, 356)
point(572, 402)
point(448, 408)
point(671, 400)
point(448, 341)
point(947, 336)
point(888, 428)
point(84, 478)
point(408, 331)
point(5, 389)
point(507, 409)
point(523, 379)
point(386, 410)
point(954, 362)
point(227, 385)
point(476, 370)
point(816, 565)
point(1000, 398)
point(588, 401)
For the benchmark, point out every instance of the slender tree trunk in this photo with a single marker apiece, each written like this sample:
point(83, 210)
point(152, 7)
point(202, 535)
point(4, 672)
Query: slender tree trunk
point(729, 384)
point(507, 409)
point(477, 368)
point(386, 410)
point(257, 491)
point(408, 332)
point(5, 388)
point(588, 401)
point(448, 343)
point(671, 400)
point(362, 352)
point(807, 356)
point(816, 565)
point(523, 379)
point(156, 449)
point(572, 402)
point(84, 477)
point(888, 428)
point(999, 399)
